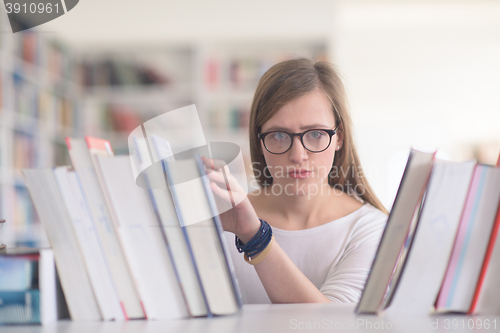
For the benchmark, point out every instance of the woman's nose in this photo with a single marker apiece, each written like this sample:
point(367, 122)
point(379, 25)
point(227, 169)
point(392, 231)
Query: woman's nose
point(297, 152)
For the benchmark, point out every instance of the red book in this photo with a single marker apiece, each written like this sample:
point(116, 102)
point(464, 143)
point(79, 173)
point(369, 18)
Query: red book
point(487, 258)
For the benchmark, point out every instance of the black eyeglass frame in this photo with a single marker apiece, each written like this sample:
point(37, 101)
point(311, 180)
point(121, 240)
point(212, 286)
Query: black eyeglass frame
point(331, 132)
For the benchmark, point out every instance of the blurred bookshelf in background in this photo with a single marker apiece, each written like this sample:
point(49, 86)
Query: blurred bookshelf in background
point(39, 107)
point(49, 92)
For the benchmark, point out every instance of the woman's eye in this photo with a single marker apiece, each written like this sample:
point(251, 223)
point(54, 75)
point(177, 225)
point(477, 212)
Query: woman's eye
point(278, 135)
point(315, 134)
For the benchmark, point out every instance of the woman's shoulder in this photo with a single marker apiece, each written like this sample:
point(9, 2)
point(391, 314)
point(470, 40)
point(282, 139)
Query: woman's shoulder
point(369, 222)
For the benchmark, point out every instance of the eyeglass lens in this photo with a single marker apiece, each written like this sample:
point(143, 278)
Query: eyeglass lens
point(279, 142)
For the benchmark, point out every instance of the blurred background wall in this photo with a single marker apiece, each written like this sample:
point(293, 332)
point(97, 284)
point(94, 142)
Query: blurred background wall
point(422, 74)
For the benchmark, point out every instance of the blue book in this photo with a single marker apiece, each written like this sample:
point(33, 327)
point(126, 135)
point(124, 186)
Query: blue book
point(29, 290)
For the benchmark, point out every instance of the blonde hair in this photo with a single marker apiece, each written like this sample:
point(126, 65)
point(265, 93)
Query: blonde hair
point(294, 78)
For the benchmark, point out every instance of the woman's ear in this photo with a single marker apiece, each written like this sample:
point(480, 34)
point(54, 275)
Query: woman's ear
point(340, 137)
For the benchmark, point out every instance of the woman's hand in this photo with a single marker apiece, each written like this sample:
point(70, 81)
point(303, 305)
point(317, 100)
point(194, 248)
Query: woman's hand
point(241, 219)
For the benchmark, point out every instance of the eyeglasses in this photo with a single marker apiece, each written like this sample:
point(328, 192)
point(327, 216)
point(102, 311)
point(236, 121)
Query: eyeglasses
point(314, 140)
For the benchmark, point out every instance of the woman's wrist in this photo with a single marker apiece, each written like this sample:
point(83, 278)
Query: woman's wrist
point(246, 235)
point(258, 244)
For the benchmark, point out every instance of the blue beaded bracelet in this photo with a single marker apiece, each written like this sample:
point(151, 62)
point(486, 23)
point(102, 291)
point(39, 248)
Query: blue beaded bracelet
point(258, 242)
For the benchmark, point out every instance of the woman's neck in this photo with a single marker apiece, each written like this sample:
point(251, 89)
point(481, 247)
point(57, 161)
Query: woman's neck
point(298, 212)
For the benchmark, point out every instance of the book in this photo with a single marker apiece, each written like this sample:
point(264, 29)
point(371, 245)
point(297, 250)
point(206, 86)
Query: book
point(152, 178)
point(194, 204)
point(407, 202)
point(145, 250)
point(432, 242)
point(92, 251)
point(29, 289)
point(217, 224)
point(75, 282)
point(486, 299)
point(83, 162)
point(471, 241)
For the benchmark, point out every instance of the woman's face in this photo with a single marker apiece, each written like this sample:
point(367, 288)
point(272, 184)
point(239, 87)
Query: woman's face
point(299, 171)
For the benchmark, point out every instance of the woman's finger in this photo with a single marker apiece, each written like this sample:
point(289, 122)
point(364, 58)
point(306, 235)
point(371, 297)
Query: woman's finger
point(226, 179)
point(208, 163)
point(212, 163)
point(220, 193)
point(217, 177)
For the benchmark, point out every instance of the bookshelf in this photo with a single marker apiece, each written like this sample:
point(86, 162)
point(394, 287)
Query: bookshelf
point(48, 92)
point(39, 107)
point(117, 98)
point(220, 77)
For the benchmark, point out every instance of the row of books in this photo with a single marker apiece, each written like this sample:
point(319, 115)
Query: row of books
point(129, 252)
point(440, 250)
point(242, 73)
point(25, 152)
point(24, 214)
point(235, 117)
point(236, 74)
point(29, 99)
point(116, 73)
point(35, 50)
point(120, 118)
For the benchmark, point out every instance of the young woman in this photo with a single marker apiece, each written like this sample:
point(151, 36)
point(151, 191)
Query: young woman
point(309, 234)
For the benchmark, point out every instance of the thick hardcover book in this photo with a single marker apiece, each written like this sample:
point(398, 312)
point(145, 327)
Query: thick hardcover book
point(50, 206)
point(92, 251)
point(487, 294)
point(153, 179)
point(408, 200)
point(471, 241)
point(83, 154)
point(145, 249)
point(196, 211)
point(432, 242)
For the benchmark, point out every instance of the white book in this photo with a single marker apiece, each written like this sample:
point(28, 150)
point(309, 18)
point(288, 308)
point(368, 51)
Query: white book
point(432, 243)
point(408, 199)
point(154, 180)
point(145, 247)
point(471, 242)
point(107, 235)
point(75, 282)
point(93, 256)
point(195, 212)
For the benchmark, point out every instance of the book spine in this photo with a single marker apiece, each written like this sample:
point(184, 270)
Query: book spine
point(154, 203)
point(220, 231)
point(447, 288)
point(20, 307)
point(184, 232)
point(487, 259)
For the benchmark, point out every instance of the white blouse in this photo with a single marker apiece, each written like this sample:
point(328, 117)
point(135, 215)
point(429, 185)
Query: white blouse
point(336, 257)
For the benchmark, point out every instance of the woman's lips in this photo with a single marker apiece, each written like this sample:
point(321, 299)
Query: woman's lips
point(299, 174)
